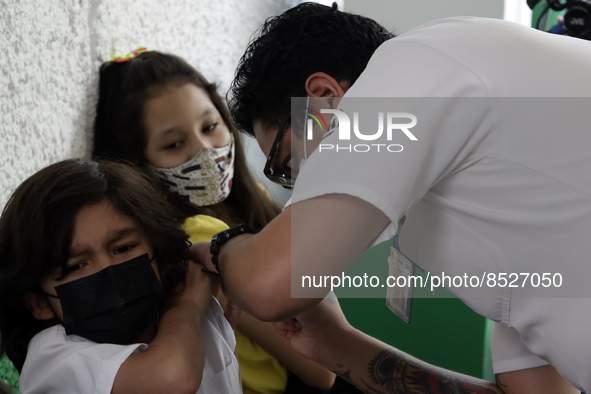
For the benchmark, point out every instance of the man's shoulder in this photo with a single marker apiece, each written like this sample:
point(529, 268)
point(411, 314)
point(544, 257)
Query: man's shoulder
point(437, 59)
point(475, 57)
point(449, 35)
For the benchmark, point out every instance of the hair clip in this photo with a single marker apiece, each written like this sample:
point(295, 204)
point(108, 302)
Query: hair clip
point(129, 56)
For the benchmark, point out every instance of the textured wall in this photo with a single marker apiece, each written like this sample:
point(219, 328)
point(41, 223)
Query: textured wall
point(45, 69)
point(50, 51)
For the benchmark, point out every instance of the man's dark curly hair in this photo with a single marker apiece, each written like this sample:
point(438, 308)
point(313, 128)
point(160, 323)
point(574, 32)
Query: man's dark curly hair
point(36, 233)
point(288, 48)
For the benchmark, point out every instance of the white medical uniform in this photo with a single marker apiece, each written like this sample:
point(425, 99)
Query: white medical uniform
point(57, 363)
point(478, 198)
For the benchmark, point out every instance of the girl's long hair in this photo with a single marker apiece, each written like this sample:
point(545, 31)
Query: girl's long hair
point(119, 132)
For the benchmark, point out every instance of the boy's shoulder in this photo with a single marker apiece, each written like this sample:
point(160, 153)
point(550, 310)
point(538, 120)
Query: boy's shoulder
point(54, 341)
point(64, 363)
point(55, 335)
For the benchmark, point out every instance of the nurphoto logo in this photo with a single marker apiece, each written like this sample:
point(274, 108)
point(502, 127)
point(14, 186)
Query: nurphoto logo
point(396, 122)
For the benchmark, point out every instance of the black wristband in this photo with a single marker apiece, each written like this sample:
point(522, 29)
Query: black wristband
point(222, 237)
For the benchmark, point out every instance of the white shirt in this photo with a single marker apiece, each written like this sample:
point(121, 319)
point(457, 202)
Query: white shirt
point(69, 364)
point(474, 202)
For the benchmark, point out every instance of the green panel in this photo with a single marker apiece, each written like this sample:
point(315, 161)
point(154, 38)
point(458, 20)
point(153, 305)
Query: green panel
point(544, 17)
point(9, 374)
point(442, 331)
point(487, 371)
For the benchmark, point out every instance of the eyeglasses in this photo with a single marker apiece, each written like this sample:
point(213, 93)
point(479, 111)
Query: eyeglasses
point(279, 177)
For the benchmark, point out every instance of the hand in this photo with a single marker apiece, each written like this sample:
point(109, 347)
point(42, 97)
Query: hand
point(197, 289)
point(309, 331)
point(199, 252)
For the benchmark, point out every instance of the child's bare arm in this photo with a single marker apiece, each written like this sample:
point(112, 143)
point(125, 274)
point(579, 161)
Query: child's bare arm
point(174, 360)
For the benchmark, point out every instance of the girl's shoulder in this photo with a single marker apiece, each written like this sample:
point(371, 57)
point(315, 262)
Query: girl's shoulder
point(201, 228)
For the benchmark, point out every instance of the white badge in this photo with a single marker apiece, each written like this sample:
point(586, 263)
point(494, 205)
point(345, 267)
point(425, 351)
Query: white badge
point(399, 298)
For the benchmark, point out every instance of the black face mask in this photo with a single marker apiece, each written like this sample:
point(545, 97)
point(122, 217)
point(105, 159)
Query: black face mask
point(114, 305)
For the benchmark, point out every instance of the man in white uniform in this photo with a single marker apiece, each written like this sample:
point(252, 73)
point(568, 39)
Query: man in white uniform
point(481, 196)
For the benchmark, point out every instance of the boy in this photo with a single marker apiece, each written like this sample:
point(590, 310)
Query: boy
point(96, 294)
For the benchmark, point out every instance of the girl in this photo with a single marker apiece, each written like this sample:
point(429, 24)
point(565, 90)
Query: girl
point(158, 112)
point(96, 292)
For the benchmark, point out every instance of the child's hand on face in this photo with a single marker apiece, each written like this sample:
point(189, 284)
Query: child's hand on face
point(200, 253)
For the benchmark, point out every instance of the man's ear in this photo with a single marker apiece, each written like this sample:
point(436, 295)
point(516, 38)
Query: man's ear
point(37, 304)
point(321, 84)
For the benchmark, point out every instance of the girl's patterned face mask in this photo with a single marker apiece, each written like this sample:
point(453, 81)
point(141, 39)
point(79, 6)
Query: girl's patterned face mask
point(204, 180)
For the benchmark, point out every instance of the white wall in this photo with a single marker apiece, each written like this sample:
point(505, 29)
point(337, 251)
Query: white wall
point(517, 11)
point(50, 51)
point(400, 16)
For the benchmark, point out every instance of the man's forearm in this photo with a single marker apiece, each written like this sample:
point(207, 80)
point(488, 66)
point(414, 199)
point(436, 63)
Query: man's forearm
point(375, 367)
point(241, 268)
point(259, 272)
point(256, 273)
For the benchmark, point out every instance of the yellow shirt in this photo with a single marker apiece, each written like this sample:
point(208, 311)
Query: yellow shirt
point(261, 372)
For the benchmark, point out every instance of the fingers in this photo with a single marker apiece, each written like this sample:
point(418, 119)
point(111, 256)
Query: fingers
point(287, 328)
point(199, 286)
point(198, 275)
point(197, 249)
point(199, 252)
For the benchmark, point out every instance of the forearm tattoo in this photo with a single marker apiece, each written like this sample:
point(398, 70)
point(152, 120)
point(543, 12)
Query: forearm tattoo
point(499, 383)
point(394, 372)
